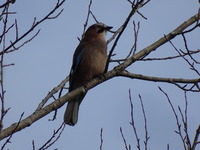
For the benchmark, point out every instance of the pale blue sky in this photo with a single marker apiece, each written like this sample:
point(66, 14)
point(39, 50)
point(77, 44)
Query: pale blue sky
point(46, 61)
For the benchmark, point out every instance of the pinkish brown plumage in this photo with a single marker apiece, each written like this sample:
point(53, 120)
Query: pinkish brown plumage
point(89, 61)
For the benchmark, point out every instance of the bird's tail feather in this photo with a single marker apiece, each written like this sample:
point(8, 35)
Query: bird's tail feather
point(71, 112)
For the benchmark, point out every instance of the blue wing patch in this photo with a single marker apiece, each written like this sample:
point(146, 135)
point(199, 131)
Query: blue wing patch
point(76, 60)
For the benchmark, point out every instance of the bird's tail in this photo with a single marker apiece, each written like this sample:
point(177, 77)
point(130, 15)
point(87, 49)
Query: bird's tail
point(71, 112)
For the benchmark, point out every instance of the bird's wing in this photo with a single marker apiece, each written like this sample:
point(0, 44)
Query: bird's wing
point(77, 58)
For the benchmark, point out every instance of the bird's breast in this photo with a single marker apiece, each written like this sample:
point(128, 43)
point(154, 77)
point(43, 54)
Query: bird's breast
point(94, 62)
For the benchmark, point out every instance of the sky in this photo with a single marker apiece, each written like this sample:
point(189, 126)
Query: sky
point(44, 62)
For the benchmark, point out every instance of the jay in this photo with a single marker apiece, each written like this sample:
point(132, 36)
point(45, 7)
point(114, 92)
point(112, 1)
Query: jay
point(89, 61)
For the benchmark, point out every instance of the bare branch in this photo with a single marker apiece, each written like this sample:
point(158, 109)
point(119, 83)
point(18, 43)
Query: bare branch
point(170, 57)
point(157, 79)
point(2, 91)
point(101, 136)
point(10, 136)
point(56, 16)
point(87, 18)
point(53, 138)
point(145, 125)
point(113, 73)
point(24, 43)
point(188, 51)
point(179, 132)
point(53, 91)
point(7, 3)
point(133, 122)
point(123, 27)
point(196, 138)
point(190, 64)
point(125, 144)
point(185, 123)
point(33, 144)
point(6, 30)
point(34, 25)
point(136, 31)
point(93, 16)
point(142, 15)
point(143, 53)
point(195, 26)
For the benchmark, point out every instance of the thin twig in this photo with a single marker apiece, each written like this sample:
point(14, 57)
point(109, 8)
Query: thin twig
point(133, 122)
point(33, 144)
point(145, 124)
point(87, 18)
point(7, 3)
point(188, 51)
point(125, 143)
point(185, 122)
point(190, 64)
point(52, 92)
point(136, 32)
point(179, 132)
point(101, 137)
point(24, 43)
point(196, 138)
point(58, 4)
point(2, 91)
point(123, 27)
point(8, 140)
point(55, 136)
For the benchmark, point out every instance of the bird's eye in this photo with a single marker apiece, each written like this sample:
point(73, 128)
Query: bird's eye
point(101, 29)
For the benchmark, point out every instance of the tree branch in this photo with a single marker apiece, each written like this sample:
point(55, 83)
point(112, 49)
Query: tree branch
point(34, 25)
point(122, 28)
point(196, 138)
point(113, 73)
point(156, 79)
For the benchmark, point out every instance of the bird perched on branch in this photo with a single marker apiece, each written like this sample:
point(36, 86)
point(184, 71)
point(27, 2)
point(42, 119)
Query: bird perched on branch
point(89, 61)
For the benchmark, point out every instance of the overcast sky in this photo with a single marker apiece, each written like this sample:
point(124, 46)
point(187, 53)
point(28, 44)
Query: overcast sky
point(46, 61)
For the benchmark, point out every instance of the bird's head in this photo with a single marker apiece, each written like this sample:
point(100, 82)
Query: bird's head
point(97, 30)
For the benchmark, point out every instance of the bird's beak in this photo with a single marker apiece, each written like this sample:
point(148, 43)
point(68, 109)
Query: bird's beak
point(108, 28)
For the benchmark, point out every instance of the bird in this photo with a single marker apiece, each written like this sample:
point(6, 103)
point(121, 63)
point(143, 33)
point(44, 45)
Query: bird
point(89, 61)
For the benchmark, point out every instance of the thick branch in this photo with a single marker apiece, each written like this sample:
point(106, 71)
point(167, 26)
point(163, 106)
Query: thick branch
point(160, 42)
point(53, 91)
